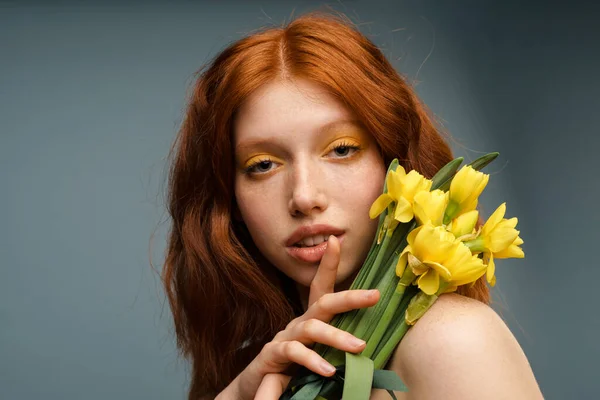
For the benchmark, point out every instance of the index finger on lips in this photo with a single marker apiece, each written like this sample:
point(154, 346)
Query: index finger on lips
point(324, 280)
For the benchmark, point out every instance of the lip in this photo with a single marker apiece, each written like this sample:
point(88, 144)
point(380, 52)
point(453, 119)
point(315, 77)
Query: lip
point(315, 253)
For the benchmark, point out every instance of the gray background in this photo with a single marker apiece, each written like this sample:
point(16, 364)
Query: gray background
point(91, 95)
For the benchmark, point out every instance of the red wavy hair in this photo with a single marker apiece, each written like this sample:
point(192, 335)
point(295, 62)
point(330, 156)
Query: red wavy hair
point(221, 291)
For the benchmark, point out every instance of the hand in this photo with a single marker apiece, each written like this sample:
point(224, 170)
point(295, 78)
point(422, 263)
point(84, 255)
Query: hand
point(264, 378)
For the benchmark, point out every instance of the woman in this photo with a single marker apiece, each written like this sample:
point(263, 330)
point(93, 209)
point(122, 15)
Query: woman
point(283, 149)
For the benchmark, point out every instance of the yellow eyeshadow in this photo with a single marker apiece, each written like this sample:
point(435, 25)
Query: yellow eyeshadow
point(260, 158)
point(343, 141)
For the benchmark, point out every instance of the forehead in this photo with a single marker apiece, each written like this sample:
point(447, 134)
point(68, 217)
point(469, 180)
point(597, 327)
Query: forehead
point(288, 108)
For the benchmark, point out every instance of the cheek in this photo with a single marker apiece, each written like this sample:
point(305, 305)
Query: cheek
point(257, 211)
point(366, 184)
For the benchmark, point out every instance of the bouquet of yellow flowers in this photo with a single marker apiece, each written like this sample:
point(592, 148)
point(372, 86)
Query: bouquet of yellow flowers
point(427, 244)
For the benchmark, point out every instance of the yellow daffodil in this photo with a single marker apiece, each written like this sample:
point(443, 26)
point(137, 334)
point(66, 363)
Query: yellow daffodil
point(465, 268)
point(498, 239)
point(498, 232)
point(430, 206)
point(512, 251)
point(466, 186)
point(433, 253)
point(401, 189)
point(464, 224)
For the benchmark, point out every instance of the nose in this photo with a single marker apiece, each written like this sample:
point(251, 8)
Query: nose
point(307, 190)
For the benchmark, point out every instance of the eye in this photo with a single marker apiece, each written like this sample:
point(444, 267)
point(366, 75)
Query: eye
point(344, 150)
point(261, 166)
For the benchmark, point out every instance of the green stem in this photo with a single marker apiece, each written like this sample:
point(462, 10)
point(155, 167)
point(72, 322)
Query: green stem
point(476, 245)
point(451, 210)
point(418, 306)
point(386, 352)
point(385, 320)
point(366, 284)
point(364, 321)
point(399, 315)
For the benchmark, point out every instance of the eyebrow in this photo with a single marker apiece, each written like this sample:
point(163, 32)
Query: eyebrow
point(337, 123)
point(324, 129)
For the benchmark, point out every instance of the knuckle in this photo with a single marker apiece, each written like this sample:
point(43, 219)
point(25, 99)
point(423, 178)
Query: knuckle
point(292, 348)
point(309, 327)
point(292, 324)
point(324, 302)
point(268, 348)
point(264, 359)
point(333, 335)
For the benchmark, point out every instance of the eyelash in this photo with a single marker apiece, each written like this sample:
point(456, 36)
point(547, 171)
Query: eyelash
point(345, 144)
point(251, 167)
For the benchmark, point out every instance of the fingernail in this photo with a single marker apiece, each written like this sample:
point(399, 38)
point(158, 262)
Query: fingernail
point(356, 342)
point(371, 293)
point(327, 368)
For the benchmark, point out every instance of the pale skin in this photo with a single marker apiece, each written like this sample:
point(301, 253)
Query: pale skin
point(290, 173)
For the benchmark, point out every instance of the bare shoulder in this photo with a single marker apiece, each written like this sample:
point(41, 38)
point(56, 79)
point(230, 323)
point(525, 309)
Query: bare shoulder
point(462, 349)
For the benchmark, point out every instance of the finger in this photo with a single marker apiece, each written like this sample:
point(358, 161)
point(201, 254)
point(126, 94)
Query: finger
point(277, 356)
point(272, 386)
point(331, 304)
point(315, 331)
point(324, 280)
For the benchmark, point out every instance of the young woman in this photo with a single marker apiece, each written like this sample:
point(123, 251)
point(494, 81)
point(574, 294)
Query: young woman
point(284, 147)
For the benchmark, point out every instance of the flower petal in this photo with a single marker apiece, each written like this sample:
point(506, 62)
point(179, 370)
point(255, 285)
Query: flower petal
point(450, 289)
point(467, 185)
point(491, 270)
point(417, 266)
point(469, 271)
point(413, 183)
point(404, 211)
point(429, 282)
point(440, 269)
point(410, 239)
point(430, 206)
point(433, 243)
point(501, 237)
point(401, 265)
point(400, 171)
point(394, 184)
point(380, 205)
point(469, 206)
point(464, 224)
point(511, 222)
point(493, 220)
point(512, 251)
point(420, 213)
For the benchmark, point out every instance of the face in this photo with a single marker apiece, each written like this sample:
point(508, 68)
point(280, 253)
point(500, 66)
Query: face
point(305, 169)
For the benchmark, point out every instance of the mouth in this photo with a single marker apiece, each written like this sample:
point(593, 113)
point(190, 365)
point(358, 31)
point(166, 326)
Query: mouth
point(308, 243)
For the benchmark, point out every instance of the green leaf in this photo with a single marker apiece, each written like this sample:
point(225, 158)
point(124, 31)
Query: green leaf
point(446, 173)
point(358, 378)
point(332, 389)
point(478, 165)
point(309, 391)
point(392, 167)
point(484, 160)
point(389, 380)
